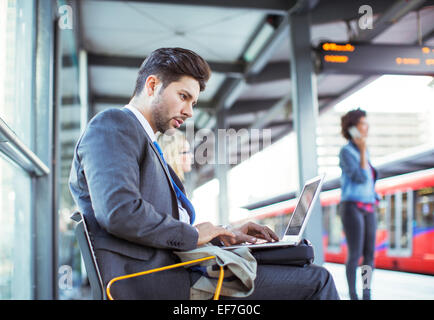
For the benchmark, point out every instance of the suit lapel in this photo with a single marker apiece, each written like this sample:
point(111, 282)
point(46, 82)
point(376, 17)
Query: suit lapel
point(162, 163)
point(165, 171)
point(148, 138)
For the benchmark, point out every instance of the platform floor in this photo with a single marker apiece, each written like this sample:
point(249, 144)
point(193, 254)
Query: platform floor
point(386, 284)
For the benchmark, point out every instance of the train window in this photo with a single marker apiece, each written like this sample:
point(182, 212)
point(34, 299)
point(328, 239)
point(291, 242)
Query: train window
point(400, 223)
point(392, 223)
point(333, 226)
point(381, 217)
point(326, 221)
point(424, 208)
point(405, 238)
point(277, 224)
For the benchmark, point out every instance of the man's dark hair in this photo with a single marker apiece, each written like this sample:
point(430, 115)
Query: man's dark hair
point(170, 64)
point(351, 118)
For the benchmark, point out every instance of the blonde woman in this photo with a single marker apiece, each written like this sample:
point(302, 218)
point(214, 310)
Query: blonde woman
point(176, 150)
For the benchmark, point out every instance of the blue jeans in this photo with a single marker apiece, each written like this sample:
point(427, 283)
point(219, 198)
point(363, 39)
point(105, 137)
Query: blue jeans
point(360, 228)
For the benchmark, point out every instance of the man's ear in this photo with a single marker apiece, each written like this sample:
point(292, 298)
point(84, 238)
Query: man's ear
point(152, 85)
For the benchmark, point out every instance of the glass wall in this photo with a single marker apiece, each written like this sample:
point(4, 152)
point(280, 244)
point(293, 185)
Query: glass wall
point(15, 235)
point(27, 225)
point(16, 59)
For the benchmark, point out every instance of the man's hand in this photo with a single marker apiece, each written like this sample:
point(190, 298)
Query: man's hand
point(250, 232)
point(207, 232)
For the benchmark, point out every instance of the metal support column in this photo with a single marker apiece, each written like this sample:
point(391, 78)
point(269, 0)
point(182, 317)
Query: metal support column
point(56, 173)
point(44, 219)
point(221, 166)
point(305, 106)
point(83, 89)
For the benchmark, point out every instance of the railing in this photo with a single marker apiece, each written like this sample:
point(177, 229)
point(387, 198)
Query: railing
point(19, 153)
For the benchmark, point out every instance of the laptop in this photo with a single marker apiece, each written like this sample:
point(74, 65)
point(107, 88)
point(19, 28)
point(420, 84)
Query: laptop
point(298, 222)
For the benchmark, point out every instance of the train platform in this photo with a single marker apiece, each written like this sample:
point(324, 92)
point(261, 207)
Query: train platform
point(386, 284)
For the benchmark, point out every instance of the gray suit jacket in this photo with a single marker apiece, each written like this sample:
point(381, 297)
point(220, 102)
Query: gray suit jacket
point(124, 191)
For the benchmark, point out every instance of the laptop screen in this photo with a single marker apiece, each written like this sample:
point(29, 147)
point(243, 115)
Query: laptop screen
point(302, 208)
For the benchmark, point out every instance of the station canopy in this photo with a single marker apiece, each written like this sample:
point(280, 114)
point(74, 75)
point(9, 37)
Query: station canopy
point(246, 44)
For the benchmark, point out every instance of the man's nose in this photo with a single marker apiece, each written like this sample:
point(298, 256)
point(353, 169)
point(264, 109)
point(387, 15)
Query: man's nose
point(188, 110)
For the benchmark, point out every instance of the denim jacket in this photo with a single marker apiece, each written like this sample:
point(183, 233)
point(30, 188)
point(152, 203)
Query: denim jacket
point(357, 184)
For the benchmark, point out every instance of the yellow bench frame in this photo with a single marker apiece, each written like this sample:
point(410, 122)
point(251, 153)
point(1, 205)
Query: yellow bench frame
point(133, 275)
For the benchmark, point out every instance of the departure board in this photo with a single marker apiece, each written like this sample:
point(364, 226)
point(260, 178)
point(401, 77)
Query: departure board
point(349, 58)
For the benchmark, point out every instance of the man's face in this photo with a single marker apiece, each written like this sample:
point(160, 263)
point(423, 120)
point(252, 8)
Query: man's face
point(174, 104)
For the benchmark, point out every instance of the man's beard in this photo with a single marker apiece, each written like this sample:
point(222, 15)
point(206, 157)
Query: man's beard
point(160, 115)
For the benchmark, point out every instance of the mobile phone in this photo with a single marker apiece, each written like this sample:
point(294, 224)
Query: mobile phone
point(354, 132)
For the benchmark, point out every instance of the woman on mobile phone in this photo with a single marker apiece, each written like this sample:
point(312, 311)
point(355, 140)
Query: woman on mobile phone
point(358, 199)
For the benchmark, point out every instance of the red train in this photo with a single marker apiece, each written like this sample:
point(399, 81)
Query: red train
point(405, 230)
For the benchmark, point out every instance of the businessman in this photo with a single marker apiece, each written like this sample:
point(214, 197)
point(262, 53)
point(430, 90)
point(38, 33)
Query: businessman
point(135, 205)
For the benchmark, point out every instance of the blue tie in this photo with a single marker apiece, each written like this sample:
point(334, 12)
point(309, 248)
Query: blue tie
point(179, 194)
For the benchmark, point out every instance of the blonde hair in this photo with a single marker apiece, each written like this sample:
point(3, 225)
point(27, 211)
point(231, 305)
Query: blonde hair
point(172, 145)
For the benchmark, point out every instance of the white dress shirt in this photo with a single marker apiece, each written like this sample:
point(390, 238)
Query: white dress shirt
point(183, 214)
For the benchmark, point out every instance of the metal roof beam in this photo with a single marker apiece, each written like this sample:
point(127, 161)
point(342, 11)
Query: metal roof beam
point(257, 105)
point(269, 6)
point(270, 125)
point(321, 11)
point(122, 100)
point(95, 59)
point(231, 90)
point(273, 71)
point(267, 50)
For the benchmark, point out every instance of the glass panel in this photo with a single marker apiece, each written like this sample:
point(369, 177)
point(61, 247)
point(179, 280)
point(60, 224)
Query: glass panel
point(16, 24)
point(15, 66)
point(7, 60)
